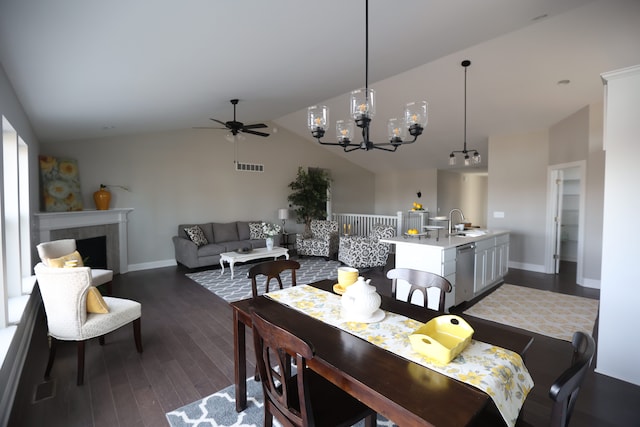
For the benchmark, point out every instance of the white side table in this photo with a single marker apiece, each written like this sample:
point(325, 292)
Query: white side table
point(232, 257)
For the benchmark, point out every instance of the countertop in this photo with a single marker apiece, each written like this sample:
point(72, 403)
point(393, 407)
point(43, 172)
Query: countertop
point(443, 242)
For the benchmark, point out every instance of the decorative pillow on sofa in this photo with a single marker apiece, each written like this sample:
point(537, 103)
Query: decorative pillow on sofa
point(196, 235)
point(71, 260)
point(95, 302)
point(255, 231)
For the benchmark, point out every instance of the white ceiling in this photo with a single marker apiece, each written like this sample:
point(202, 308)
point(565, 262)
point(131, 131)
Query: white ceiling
point(79, 67)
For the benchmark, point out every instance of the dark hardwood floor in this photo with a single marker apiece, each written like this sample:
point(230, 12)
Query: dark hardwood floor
point(187, 336)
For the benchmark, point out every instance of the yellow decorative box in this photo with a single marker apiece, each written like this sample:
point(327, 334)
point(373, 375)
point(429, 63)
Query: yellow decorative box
point(442, 338)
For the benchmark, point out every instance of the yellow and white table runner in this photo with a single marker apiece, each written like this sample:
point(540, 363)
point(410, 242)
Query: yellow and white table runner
point(498, 372)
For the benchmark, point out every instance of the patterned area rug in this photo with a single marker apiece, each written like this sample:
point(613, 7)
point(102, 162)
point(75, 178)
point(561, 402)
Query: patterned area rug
point(544, 312)
point(219, 410)
point(311, 270)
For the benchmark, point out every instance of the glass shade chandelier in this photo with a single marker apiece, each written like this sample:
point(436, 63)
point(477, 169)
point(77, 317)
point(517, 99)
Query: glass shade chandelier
point(474, 159)
point(363, 110)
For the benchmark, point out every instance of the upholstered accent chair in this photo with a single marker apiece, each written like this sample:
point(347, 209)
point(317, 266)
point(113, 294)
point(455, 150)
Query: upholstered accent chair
point(64, 294)
point(322, 242)
point(60, 248)
point(366, 251)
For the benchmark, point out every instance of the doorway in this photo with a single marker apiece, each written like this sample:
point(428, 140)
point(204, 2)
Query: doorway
point(565, 219)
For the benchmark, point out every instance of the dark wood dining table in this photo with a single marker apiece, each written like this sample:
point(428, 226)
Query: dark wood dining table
point(403, 391)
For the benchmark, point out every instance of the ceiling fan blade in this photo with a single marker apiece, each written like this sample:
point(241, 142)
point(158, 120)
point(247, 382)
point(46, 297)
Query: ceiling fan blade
point(256, 126)
point(218, 121)
point(253, 132)
point(207, 127)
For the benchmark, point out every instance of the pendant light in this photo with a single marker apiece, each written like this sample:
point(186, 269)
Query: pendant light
point(363, 109)
point(475, 158)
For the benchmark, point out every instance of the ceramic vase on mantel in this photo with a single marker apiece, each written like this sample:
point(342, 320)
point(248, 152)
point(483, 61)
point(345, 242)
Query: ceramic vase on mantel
point(102, 197)
point(269, 243)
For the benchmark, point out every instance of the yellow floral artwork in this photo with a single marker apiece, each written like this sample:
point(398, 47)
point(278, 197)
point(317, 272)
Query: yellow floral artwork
point(60, 184)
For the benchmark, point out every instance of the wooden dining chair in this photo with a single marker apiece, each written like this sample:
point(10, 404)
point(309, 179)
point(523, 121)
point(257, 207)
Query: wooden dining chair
point(272, 269)
point(420, 281)
point(564, 390)
point(303, 397)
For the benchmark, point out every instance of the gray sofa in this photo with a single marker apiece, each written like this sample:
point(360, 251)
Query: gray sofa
point(220, 237)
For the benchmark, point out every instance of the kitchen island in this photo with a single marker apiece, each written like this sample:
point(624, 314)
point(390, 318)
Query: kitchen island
point(474, 261)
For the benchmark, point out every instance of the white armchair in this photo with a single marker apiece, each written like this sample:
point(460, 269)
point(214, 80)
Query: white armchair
point(60, 248)
point(64, 294)
point(366, 251)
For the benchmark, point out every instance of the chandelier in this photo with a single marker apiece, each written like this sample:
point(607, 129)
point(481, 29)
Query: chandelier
point(363, 109)
point(475, 158)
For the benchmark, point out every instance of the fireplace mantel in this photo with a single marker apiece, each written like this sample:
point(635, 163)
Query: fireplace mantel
point(45, 222)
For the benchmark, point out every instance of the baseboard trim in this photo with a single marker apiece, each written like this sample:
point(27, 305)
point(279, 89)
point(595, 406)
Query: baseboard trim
point(591, 283)
point(153, 264)
point(526, 266)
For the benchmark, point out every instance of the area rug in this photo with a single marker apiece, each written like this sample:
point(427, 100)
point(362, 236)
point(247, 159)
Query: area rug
point(544, 312)
point(219, 410)
point(311, 270)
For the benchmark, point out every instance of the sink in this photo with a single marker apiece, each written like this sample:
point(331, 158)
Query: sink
point(472, 233)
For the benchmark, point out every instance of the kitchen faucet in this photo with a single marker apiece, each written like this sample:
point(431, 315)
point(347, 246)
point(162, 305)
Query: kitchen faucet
point(451, 218)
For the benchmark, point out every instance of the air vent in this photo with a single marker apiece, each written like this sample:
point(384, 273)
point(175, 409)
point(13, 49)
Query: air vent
point(249, 167)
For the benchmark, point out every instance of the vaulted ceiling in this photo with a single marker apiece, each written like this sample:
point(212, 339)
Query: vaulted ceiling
point(86, 69)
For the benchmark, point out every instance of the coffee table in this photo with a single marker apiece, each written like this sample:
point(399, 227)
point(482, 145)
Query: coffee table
point(232, 257)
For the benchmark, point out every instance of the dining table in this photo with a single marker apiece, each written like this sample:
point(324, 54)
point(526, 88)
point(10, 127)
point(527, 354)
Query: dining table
point(399, 389)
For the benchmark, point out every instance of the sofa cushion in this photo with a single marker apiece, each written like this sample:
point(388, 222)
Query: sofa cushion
point(225, 232)
point(196, 235)
point(211, 249)
point(255, 231)
point(206, 229)
point(243, 230)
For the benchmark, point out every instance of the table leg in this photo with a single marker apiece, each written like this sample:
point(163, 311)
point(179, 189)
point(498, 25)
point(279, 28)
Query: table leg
point(221, 267)
point(231, 263)
point(286, 254)
point(240, 362)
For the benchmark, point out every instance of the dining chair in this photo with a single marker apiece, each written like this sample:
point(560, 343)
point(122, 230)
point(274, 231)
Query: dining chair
point(420, 281)
point(564, 390)
point(299, 397)
point(60, 248)
point(272, 269)
point(64, 294)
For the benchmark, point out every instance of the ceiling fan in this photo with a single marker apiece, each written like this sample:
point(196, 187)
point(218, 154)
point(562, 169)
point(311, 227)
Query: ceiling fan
point(236, 127)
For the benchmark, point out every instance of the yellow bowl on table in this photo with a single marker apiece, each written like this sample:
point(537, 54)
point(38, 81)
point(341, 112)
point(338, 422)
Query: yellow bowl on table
point(442, 338)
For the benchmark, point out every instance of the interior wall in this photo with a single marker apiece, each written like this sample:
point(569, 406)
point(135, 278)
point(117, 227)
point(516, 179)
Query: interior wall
point(576, 138)
point(465, 191)
point(517, 194)
point(397, 191)
point(594, 199)
point(189, 176)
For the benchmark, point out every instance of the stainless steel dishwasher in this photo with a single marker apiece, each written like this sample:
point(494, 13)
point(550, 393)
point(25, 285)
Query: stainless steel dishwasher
point(465, 271)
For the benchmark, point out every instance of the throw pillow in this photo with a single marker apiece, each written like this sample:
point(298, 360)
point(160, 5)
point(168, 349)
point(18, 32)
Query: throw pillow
point(255, 231)
point(196, 235)
point(95, 302)
point(66, 261)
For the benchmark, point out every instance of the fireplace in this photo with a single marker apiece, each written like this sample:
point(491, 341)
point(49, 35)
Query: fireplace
point(107, 229)
point(93, 251)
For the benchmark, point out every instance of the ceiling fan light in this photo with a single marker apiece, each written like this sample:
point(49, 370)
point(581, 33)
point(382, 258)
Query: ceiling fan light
point(363, 104)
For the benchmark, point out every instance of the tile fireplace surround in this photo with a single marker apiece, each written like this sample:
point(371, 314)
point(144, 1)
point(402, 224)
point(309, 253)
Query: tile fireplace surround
point(86, 224)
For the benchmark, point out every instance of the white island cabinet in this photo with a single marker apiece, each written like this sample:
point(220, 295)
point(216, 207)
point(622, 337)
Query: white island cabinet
point(438, 256)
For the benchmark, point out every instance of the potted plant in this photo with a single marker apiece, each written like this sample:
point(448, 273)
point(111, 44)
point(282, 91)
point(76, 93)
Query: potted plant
point(309, 196)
